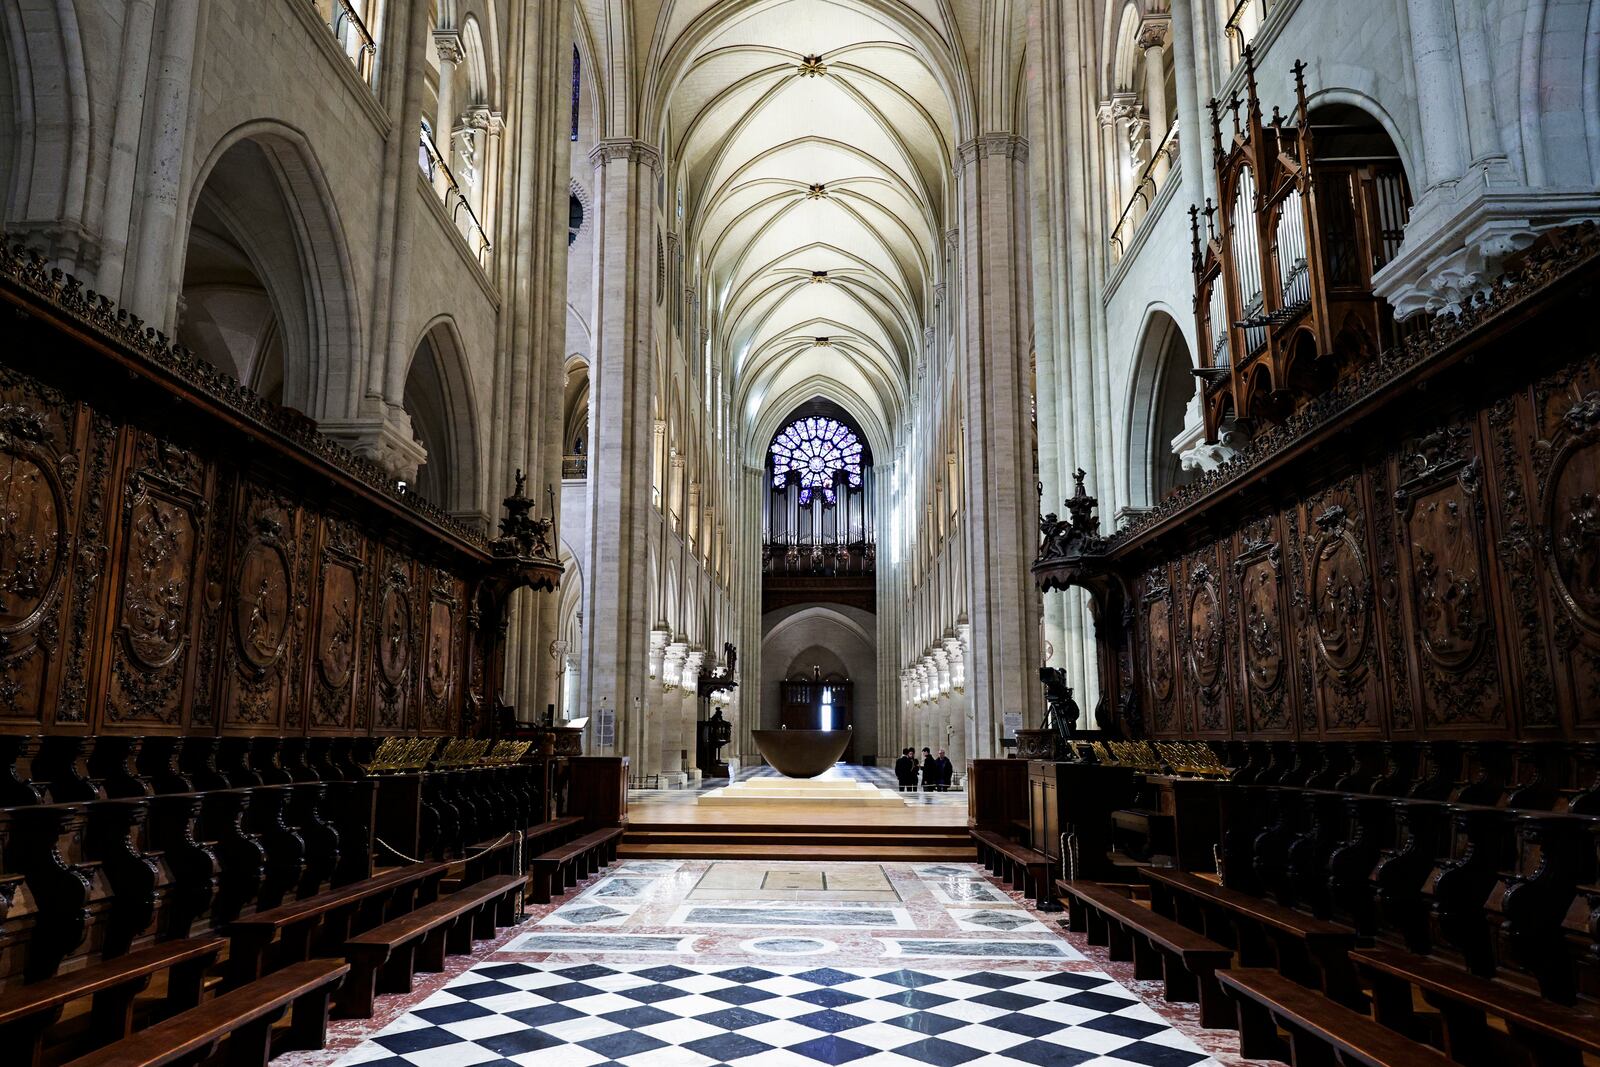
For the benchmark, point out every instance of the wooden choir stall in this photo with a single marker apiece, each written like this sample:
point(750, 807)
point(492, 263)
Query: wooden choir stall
point(254, 762)
point(1343, 789)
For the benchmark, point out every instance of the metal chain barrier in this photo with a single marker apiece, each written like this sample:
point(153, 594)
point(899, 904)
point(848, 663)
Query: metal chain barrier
point(475, 855)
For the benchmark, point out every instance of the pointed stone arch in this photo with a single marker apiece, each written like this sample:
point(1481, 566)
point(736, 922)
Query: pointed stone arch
point(440, 402)
point(1159, 396)
point(262, 214)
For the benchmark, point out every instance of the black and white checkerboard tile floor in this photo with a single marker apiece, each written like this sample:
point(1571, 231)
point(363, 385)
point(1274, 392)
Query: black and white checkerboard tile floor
point(580, 1015)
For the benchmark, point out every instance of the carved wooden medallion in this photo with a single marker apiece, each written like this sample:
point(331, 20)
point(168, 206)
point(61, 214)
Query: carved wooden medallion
point(336, 646)
point(1341, 594)
point(33, 533)
point(1447, 588)
point(1205, 629)
point(155, 599)
point(1572, 512)
point(436, 672)
point(1158, 652)
point(261, 613)
point(1262, 626)
point(394, 634)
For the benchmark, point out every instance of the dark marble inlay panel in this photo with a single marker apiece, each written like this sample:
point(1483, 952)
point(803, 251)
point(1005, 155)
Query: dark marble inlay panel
point(875, 917)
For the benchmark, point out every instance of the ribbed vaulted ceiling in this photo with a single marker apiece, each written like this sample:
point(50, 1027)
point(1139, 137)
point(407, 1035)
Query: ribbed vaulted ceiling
point(814, 141)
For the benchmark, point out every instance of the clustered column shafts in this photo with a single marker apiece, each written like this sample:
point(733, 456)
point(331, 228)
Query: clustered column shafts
point(528, 217)
point(616, 597)
point(1002, 526)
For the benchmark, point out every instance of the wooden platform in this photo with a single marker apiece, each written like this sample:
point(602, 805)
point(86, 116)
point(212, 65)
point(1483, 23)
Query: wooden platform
point(789, 831)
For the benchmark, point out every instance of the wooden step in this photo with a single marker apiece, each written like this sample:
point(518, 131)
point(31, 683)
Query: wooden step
point(775, 849)
point(743, 837)
point(959, 833)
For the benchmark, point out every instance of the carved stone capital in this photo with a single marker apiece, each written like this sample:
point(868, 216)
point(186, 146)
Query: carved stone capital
point(448, 44)
point(986, 145)
point(482, 117)
point(1153, 32)
point(615, 149)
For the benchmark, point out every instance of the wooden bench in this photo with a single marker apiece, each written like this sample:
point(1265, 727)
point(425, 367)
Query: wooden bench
point(1320, 1031)
point(551, 833)
point(1159, 947)
point(1551, 1035)
point(243, 1017)
point(27, 1013)
point(1025, 869)
point(1312, 951)
point(289, 933)
point(488, 858)
point(385, 958)
point(556, 870)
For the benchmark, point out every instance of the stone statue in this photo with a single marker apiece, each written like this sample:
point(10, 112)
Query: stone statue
point(1061, 711)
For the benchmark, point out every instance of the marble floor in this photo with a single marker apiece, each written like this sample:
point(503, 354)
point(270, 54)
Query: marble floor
point(696, 963)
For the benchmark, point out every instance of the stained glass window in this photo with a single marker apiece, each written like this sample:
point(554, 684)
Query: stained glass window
point(817, 452)
point(577, 74)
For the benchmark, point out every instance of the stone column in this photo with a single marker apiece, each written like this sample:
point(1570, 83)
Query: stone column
point(691, 519)
point(1436, 63)
point(646, 752)
point(1002, 510)
point(747, 546)
point(447, 44)
point(1112, 140)
point(616, 597)
point(1153, 40)
point(689, 708)
point(1476, 209)
point(370, 418)
point(1191, 128)
point(666, 722)
point(153, 276)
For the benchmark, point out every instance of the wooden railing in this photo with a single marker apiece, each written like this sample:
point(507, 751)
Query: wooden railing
point(456, 205)
point(574, 467)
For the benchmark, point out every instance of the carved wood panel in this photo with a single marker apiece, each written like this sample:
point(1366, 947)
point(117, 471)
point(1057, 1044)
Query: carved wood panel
point(445, 652)
point(163, 525)
point(1440, 519)
point(52, 507)
point(1203, 624)
point(259, 618)
point(1339, 595)
point(1565, 459)
point(1155, 630)
point(1266, 675)
point(177, 555)
point(394, 637)
point(337, 616)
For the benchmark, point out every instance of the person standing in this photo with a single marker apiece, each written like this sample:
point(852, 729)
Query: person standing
point(905, 771)
point(944, 771)
point(930, 771)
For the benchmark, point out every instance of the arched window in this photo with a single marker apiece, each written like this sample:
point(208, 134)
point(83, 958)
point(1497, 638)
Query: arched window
point(574, 218)
point(577, 84)
point(818, 453)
